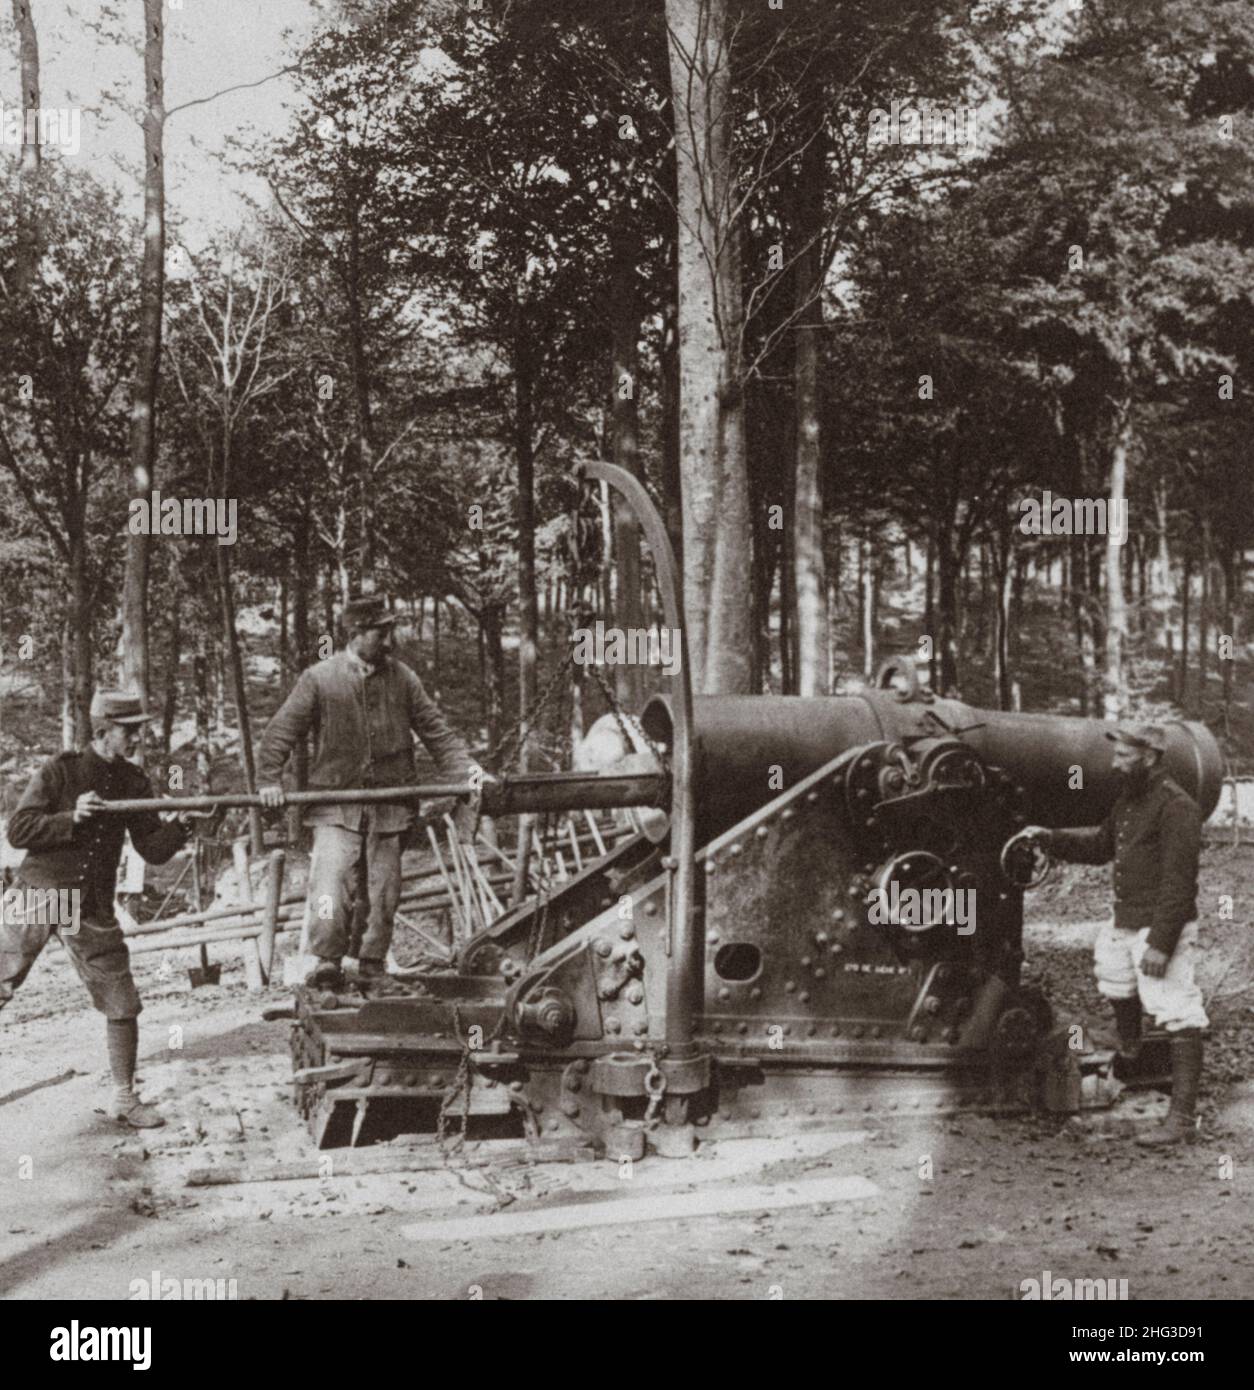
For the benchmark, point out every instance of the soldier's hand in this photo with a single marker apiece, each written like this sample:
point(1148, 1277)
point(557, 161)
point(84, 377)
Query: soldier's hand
point(87, 806)
point(1154, 963)
point(271, 797)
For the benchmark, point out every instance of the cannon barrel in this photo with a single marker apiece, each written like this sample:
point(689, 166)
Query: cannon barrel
point(750, 747)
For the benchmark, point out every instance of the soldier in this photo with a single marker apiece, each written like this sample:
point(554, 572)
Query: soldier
point(1144, 955)
point(363, 706)
point(71, 846)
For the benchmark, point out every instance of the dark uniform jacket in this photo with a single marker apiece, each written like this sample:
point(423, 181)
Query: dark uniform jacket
point(1154, 840)
point(363, 723)
point(61, 854)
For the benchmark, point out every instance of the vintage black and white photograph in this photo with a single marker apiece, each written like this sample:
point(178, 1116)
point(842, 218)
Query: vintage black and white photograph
point(626, 659)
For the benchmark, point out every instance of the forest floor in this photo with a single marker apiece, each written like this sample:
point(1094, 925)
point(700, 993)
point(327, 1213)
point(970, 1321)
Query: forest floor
point(947, 1209)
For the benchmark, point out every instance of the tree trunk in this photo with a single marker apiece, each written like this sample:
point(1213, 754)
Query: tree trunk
point(947, 573)
point(1116, 692)
point(174, 656)
point(1161, 576)
point(27, 249)
point(524, 455)
point(239, 691)
point(1082, 622)
point(201, 663)
point(491, 621)
point(718, 597)
point(1186, 585)
point(143, 444)
point(629, 680)
point(868, 610)
point(364, 426)
point(1203, 617)
point(80, 619)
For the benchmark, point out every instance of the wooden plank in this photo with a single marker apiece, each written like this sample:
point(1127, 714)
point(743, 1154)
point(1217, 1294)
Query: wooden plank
point(616, 1210)
point(499, 1153)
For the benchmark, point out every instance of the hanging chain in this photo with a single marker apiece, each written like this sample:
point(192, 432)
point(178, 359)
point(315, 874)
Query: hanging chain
point(461, 1086)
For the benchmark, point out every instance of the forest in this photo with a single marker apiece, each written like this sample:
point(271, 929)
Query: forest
point(858, 290)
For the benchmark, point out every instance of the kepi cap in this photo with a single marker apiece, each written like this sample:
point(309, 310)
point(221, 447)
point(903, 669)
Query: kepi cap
point(119, 708)
point(1152, 736)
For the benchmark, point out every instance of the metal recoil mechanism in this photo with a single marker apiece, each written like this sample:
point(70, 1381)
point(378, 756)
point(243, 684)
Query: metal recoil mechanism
point(828, 922)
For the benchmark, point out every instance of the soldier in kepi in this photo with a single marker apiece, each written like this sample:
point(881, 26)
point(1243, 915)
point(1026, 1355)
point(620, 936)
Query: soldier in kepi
point(72, 853)
point(1143, 957)
point(363, 707)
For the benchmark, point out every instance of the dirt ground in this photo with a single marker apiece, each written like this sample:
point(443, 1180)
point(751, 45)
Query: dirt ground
point(910, 1209)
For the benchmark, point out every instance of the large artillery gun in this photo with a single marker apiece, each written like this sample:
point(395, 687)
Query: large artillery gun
point(823, 918)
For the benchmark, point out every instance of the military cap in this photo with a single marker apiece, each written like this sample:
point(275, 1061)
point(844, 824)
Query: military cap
point(1152, 736)
point(119, 708)
point(366, 612)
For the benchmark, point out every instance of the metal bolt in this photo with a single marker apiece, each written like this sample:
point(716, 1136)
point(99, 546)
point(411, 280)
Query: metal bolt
point(812, 797)
point(820, 973)
point(760, 832)
point(805, 961)
point(712, 938)
point(790, 986)
point(742, 1028)
point(642, 1027)
point(603, 947)
point(626, 931)
point(635, 992)
point(804, 996)
point(737, 848)
point(755, 993)
point(638, 1044)
point(613, 1025)
point(650, 909)
point(838, 915)
point(710, 866)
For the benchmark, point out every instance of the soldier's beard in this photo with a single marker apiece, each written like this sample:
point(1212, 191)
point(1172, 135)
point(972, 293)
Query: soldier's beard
point(1136, 780)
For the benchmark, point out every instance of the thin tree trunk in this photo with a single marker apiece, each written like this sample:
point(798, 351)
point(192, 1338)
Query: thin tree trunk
point(239, 691)
point(201, 663)
point(629, 680)
point(174, 657)
point(143, 444)
point(80, 618)
point(1186, 585)
point(27, 249)
point(1203, 617)
point(1116, 693)
point(524, 455)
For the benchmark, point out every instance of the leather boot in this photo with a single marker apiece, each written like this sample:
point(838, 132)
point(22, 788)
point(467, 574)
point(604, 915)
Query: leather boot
point(1186, 1076)
point(1128, 1025)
